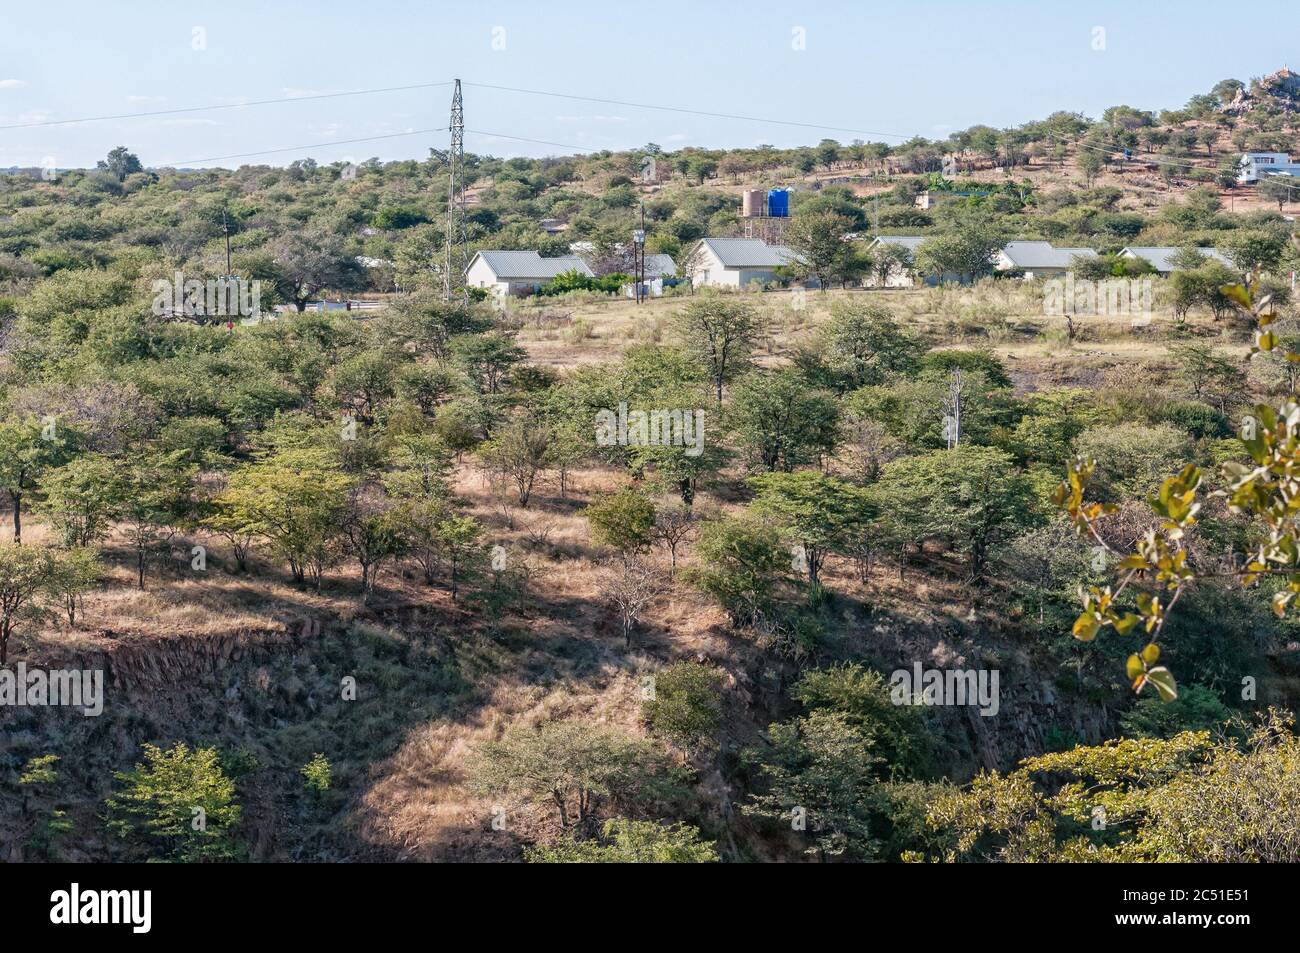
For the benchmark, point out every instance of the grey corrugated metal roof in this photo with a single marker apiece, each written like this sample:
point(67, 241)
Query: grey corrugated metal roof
point(658, 266)
point(749, 253)
point(910, 242)
point(1043, 255)
point(1160, 255)
point(529, 264)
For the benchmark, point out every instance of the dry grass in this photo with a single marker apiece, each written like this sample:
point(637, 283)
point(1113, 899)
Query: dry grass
point(1006, 316)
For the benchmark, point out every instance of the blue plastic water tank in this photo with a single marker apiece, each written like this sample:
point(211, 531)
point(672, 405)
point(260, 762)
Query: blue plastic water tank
point(778, 203)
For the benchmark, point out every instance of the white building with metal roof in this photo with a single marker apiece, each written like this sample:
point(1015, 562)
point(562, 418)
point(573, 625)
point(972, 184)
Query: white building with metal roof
point(1039, 259)
point(1258, 165)
point(735, 262)
point(898, 277)
point(1161, 256)
point(519, 272)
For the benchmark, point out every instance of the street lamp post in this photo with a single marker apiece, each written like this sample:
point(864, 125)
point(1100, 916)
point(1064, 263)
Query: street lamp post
point(638, 257)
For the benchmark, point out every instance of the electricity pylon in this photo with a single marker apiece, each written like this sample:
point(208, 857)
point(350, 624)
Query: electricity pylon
point(453, 278)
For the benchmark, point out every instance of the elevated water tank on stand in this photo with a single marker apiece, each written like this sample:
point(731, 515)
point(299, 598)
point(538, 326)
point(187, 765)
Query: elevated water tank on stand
point(778, 203)
point(753, 203)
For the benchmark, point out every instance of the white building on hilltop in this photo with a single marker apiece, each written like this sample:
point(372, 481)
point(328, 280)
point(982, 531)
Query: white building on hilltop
point(1258, 165)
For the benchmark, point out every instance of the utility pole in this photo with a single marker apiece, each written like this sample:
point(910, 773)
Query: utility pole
point(454, 265)
point(225, 228)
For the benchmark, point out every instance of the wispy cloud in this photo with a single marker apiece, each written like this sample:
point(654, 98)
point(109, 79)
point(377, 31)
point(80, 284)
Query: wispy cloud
point(12, 83)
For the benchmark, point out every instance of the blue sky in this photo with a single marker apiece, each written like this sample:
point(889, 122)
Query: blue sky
point(887, 67)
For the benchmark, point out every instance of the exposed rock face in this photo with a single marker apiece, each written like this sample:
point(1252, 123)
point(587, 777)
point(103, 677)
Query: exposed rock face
point(1281, 90)
point(148, 666)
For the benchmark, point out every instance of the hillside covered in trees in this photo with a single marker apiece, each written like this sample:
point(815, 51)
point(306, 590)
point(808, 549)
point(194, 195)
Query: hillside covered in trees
point(850, 573)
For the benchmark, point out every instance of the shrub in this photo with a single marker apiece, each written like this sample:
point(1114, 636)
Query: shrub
point(687, 703)
point(179, 804)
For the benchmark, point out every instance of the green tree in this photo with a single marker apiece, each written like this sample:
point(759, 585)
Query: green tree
point(971, 496)
point(864, 698)
point(455, 540)
point(721, 335)
point(819, 513)
point(687, 704)
point(488, 359)
point(82, 498)
point(861, 345)
point(121, 163)
point(738, 562)
point(293, 498)
point(828, 768)
point(28, 450)
point(629, 842)
point(518, 453)
point(1132, 457)
point(179, 804)
point(624, 520)
point(306, 263)
point(817, 240)
point(967, 252)
point(154, 502)
point(576, 767)
point(317, 775)
point(73, 573)
point(1090, 162)
point(372, 533)
point(1251, 250)
point(887, 262)
point(24, 573)
point(1185, 799)
point(1276, 188)
point(780, 422)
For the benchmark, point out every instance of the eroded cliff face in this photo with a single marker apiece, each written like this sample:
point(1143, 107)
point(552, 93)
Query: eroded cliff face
point(268, 699)
point(271, 698)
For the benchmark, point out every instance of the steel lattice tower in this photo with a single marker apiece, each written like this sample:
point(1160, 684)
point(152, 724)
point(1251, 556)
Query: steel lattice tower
point(453, 279)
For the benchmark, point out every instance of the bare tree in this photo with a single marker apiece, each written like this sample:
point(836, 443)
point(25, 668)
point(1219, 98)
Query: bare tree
point(518, 453)
point(674, 524)
point(632, 585)
point(952, 409)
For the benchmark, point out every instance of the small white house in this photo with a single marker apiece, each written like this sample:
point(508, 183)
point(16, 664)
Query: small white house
point(1039, 259)
point(1161, 256)
point(519, 272)
point(735, 262)
point(1257, 165)
point(657, 268)
point(898, 277)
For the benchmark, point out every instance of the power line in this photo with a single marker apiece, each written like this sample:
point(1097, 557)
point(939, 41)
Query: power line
point(314, 145)
point(512, 89)
point(341, 142)
point(194, 109)
point(692, 112)
point(542, 142)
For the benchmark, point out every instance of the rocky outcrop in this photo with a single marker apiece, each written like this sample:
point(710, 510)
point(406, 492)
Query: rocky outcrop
point(1280, 90)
